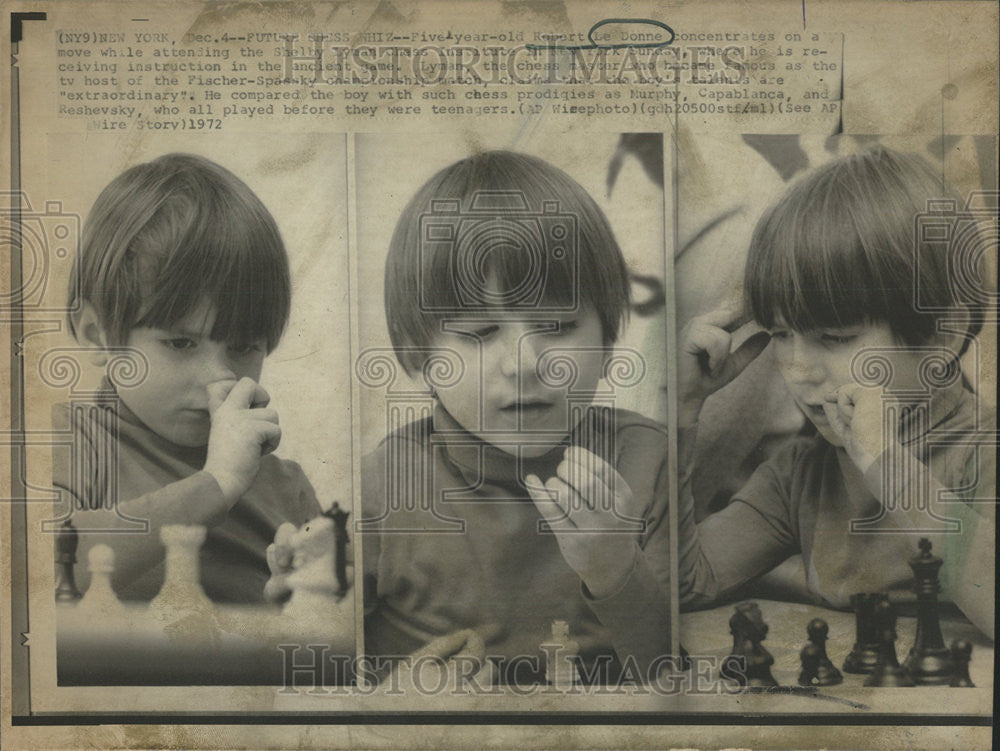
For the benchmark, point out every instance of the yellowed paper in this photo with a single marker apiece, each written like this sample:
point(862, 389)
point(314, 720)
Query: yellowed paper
point(672, 127)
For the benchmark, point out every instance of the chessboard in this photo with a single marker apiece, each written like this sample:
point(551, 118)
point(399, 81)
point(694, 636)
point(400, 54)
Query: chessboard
point(865, 658)
point(223, 645)
point(708, 633)
point(182, 637)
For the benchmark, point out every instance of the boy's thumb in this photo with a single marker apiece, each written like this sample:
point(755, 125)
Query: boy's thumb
point(217, 393)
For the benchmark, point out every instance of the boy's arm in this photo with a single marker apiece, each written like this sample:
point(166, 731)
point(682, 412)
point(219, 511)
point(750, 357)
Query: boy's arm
point(624, 571)
point(755, 532)
point(909, 492)
point(84, 491)
point(960, 486)
point(746, 539)
point(638, 615)
point(193, 500)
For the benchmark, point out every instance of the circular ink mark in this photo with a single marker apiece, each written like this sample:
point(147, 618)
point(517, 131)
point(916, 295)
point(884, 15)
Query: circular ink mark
point(949, 91)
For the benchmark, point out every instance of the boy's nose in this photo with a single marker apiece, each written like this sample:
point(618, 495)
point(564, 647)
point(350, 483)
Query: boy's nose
point(517, 354)
point(216, 364)
point(511, 363)
point(804, 366)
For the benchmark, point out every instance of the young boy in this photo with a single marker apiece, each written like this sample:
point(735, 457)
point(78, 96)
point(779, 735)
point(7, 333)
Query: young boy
point(831, 274)
point(182, 264)
point(506, 265)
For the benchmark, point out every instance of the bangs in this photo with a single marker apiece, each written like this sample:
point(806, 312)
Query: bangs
point(181, 231)
point(838, 251)
point(500, 231)
point(500, 262)
point(807, 271)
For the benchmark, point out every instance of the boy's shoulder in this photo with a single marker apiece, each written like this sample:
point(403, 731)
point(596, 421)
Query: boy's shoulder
point(86, 418)
point(637, 441)
point(416, 432)
point(971, 413)
point(625, 425)
point(628, 421)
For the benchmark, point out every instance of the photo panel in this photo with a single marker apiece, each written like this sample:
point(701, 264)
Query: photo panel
point(837, 508)
point(488, 374)
point(523, 318)
point(205, 313)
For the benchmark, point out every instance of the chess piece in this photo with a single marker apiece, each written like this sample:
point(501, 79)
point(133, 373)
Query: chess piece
point(809, 658)
point(181, 590)
point(100, 597)
point(315, 589)
point(560, 658)
point(929, 661)
point(961, 653)
point(865, 654)
point(888, 672)
point(817, 670)
point(749, 664)
point(340, 541)
point(67, 541)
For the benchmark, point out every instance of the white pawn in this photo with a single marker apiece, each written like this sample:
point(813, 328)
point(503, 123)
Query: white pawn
point(181, 592)
point(100, 597)
point(560, 655)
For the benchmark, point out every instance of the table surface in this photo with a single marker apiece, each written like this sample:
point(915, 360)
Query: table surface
point(223, 645)
point(239, 646)
point(706, 634)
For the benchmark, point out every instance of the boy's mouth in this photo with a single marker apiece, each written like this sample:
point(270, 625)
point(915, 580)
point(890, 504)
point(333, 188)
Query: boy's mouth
point(526, 406)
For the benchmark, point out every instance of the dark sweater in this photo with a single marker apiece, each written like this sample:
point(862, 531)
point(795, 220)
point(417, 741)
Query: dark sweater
point(115, 456)
point(467, 551)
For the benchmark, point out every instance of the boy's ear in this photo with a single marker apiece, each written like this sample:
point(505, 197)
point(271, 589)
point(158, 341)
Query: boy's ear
point(959, 330)
point(90, 334)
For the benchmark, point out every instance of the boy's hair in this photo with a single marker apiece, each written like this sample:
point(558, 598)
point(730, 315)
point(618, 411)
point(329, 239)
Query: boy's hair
point(167, 235)
point(840, 249)
point(421, 282)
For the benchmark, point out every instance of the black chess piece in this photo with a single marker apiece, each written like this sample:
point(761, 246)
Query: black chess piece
point(864, 656)
point(961, 653)
point(750, 663)
point(888, 672)
point(817, 670)
point(809, 657)
point(340, 539)
point(67, 541)
point(928, 661)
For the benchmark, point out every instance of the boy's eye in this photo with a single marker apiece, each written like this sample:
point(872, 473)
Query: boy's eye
point(179, 343)
point(835, 338)
point(779, 333)
point(245, 349)
point(486, 331)
point(566, 327)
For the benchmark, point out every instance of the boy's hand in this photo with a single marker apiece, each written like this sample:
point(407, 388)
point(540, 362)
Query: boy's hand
point(243, 430)
point(707, 362)
point(279, 561)
point(855, 415)
point(578, 505)
point(451, 663)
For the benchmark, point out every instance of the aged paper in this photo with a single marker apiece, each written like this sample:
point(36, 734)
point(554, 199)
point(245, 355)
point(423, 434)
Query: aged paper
point(507, 229)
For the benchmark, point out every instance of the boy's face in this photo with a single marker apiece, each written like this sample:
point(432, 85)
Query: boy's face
point(513, 392)
point(816, 364)
point(172, 401)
